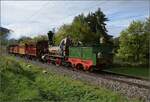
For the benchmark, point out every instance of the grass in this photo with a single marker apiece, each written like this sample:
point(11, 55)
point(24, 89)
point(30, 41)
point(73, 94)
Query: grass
point(26, 82)
point(133, 71)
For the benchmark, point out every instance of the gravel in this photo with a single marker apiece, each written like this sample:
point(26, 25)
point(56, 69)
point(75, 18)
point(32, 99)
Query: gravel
point(133, 80)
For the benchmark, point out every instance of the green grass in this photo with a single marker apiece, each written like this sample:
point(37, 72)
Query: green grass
point(25, 82)
point(133, 71)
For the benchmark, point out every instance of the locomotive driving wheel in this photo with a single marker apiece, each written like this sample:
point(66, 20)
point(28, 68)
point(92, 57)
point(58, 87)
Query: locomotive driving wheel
point(58, 62)
point(49, 61)
point(91, 69)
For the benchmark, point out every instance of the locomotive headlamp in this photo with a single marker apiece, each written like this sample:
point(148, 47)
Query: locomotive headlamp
point(99, 55)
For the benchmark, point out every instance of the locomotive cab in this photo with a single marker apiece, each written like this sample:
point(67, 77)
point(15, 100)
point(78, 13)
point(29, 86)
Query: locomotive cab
point(104, 55)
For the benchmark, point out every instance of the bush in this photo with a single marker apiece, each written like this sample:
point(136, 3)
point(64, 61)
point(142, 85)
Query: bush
point(118, 62)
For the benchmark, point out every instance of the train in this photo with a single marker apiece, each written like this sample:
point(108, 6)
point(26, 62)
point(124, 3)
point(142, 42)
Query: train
point(88, 58)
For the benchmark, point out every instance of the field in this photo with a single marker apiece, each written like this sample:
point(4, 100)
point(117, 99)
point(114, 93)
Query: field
point(133, 71)
point(25, 82)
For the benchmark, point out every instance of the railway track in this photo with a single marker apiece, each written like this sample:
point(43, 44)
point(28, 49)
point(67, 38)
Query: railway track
point(123, 75)
point(134, 81)
point(131, 80)
point(141, 83)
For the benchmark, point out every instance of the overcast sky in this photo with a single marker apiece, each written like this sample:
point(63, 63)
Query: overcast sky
point(32, 18)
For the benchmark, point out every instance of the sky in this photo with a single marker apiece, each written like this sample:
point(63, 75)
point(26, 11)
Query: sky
point(32, 18)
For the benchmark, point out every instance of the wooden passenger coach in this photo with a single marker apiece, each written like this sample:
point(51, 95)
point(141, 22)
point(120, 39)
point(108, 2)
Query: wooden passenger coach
point(22, 50)
point(32, 50)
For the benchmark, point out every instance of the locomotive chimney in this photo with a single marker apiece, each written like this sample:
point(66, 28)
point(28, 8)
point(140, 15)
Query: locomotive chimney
point(50, 37)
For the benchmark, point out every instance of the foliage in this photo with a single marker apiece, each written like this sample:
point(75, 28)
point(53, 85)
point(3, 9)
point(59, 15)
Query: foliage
point(27, 40)
point(62, 32)
point(12, 41)
point(87, 29)
point(25, 82)
point(4, 31)
point(40, 37)
point(3, 36)
point(24, 40)
point(116, 44)
point(134, 42)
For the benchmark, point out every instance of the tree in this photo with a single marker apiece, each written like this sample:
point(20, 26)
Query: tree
point(87, 29)
point(40, 37)
point(116, 44)
point(4, 31)
point(96, 21)
point(62, 33)
point(3, 36)
point(25, 40)
point(133, 45)
point(146, 41)
point(80, 30)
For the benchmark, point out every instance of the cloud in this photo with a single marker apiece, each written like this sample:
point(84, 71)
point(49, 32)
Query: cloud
point(31, 18)
point(31, 30)
point(115, 30)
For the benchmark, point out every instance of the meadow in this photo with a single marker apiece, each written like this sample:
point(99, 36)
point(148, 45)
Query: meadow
point(21, 82)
